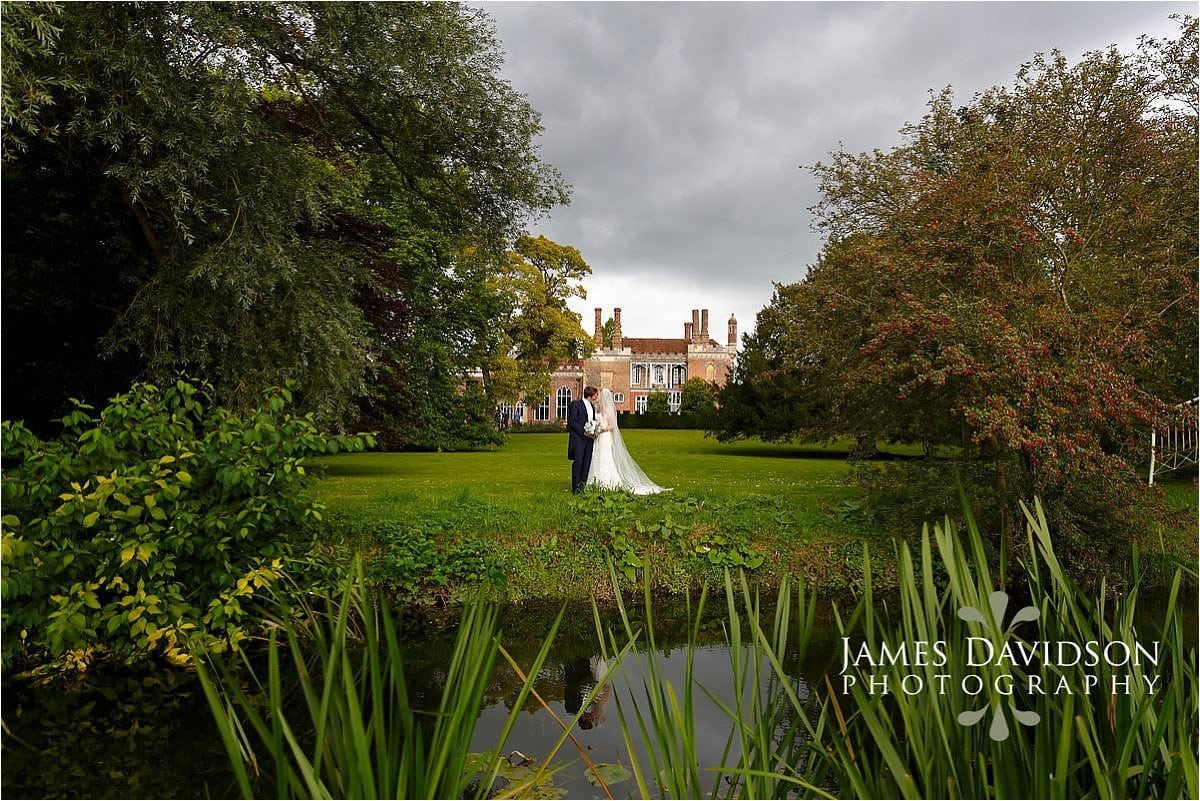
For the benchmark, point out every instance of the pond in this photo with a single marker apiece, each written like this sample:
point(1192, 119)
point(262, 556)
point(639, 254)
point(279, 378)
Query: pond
point(121, 734)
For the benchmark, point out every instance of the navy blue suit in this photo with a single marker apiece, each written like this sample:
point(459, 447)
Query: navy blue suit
point(579, 446)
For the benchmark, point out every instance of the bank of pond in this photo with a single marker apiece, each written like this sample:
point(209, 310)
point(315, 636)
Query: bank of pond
point(948, 687)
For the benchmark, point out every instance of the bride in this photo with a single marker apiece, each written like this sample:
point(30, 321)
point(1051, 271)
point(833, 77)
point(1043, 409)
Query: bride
point(612, 466)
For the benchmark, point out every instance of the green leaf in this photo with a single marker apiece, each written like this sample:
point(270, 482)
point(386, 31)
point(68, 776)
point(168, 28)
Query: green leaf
point(610, 773)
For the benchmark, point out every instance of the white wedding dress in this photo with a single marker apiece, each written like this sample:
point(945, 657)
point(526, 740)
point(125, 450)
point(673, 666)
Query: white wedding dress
point(612, 466)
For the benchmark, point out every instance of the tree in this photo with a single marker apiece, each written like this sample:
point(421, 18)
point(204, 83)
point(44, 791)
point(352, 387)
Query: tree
point(232, 175)
point(658, 403)
point(607, 331)
point(1018, 278)
point(518, 347)
point(697, 398)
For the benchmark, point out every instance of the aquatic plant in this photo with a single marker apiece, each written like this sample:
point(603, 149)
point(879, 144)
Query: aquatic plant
point(1038, 725)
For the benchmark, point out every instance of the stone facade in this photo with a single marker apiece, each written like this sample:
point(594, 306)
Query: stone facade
point(635, 367)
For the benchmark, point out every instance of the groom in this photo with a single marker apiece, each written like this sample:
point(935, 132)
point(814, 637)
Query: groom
point(579, 446)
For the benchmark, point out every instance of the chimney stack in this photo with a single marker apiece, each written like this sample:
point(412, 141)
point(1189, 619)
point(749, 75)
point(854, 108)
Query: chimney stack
point(695, 326)
point(704, 326)
point(687, 331)
point(598, 338)
point(732, 331)
point(616, 339)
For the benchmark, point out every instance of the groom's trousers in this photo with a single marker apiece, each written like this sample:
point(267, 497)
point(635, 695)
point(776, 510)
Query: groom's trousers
point(581, 465)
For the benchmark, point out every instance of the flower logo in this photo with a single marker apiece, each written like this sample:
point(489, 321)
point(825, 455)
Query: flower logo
point(998, 603)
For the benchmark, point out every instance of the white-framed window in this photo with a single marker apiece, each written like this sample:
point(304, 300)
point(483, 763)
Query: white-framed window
point(675, 398)
point(562, 403)
point(519, 412)
point(678, 375)
point(639, 375)
point(639, 404)
point(618, 397)
point(542, 413)
point(659, 377)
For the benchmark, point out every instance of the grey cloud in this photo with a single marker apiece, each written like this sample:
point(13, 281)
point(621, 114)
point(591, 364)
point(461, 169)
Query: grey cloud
point(682, 126)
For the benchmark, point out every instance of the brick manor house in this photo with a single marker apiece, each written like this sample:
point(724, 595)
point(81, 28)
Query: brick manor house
point(633, 368)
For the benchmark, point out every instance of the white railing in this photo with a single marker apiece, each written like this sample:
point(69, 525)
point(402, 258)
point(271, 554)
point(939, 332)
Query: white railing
point(1176, 445)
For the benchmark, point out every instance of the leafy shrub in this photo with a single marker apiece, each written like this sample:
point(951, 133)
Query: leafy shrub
point(427, 556)
point(154, 521)
point(413, 558)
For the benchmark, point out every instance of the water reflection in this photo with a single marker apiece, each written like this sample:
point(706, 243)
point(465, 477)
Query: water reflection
point(150, 734)
point(580, 677)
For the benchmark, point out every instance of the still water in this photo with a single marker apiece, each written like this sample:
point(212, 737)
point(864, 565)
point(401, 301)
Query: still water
point(124, 734)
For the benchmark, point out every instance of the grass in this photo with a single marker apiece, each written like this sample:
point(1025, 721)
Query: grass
point(433, 521)
point(790, 505)
point(533, 469)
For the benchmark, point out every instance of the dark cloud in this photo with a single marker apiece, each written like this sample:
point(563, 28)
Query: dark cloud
point(683, 126)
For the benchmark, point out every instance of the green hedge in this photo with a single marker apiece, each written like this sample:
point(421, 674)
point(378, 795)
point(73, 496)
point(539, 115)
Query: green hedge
point(671, 421)
point(624, 420)
point(536, 428)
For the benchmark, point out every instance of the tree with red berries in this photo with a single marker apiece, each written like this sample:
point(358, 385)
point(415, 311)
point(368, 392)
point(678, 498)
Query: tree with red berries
point(1018, 279)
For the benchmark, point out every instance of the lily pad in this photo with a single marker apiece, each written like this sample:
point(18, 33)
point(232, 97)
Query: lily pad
point(610, 773)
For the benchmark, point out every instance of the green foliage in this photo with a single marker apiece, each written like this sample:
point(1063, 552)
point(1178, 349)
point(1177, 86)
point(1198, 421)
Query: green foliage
point(1016, 280)
point(697, 398)
point(658, 403)
point(534, 331)
point(661, 420)
point(414, 559)
point(634, 539)
point(219, 189)
point(353, 732)
point(158, 519)
point(1138, 744)
point(607, 331)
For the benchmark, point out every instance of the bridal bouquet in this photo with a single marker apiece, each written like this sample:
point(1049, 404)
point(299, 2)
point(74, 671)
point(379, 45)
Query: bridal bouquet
point(592, 428)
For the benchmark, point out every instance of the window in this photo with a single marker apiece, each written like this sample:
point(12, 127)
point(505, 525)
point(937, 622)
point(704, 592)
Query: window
point(563, 403)
point(639, 375)
point(519, 412)
point(542, 412)
point(618, 397)
point(674, 399)
point(678, 375)
point(658, 374)
point(639, 404)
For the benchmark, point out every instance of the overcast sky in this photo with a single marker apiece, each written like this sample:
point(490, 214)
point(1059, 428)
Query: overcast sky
point(682, 127)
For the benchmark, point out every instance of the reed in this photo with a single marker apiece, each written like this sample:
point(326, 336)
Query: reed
point(1065, 742)
point(342, 725)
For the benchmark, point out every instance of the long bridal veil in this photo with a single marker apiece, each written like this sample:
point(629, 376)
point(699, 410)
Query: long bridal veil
point(633, 479)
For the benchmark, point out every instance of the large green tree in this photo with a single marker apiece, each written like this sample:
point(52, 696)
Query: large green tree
point(1018, 278)
point(534, 331)
point(222, 188)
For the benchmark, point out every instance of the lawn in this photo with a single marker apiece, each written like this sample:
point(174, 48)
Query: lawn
point(435, 521)
point(532, 471)
point(785, 502)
